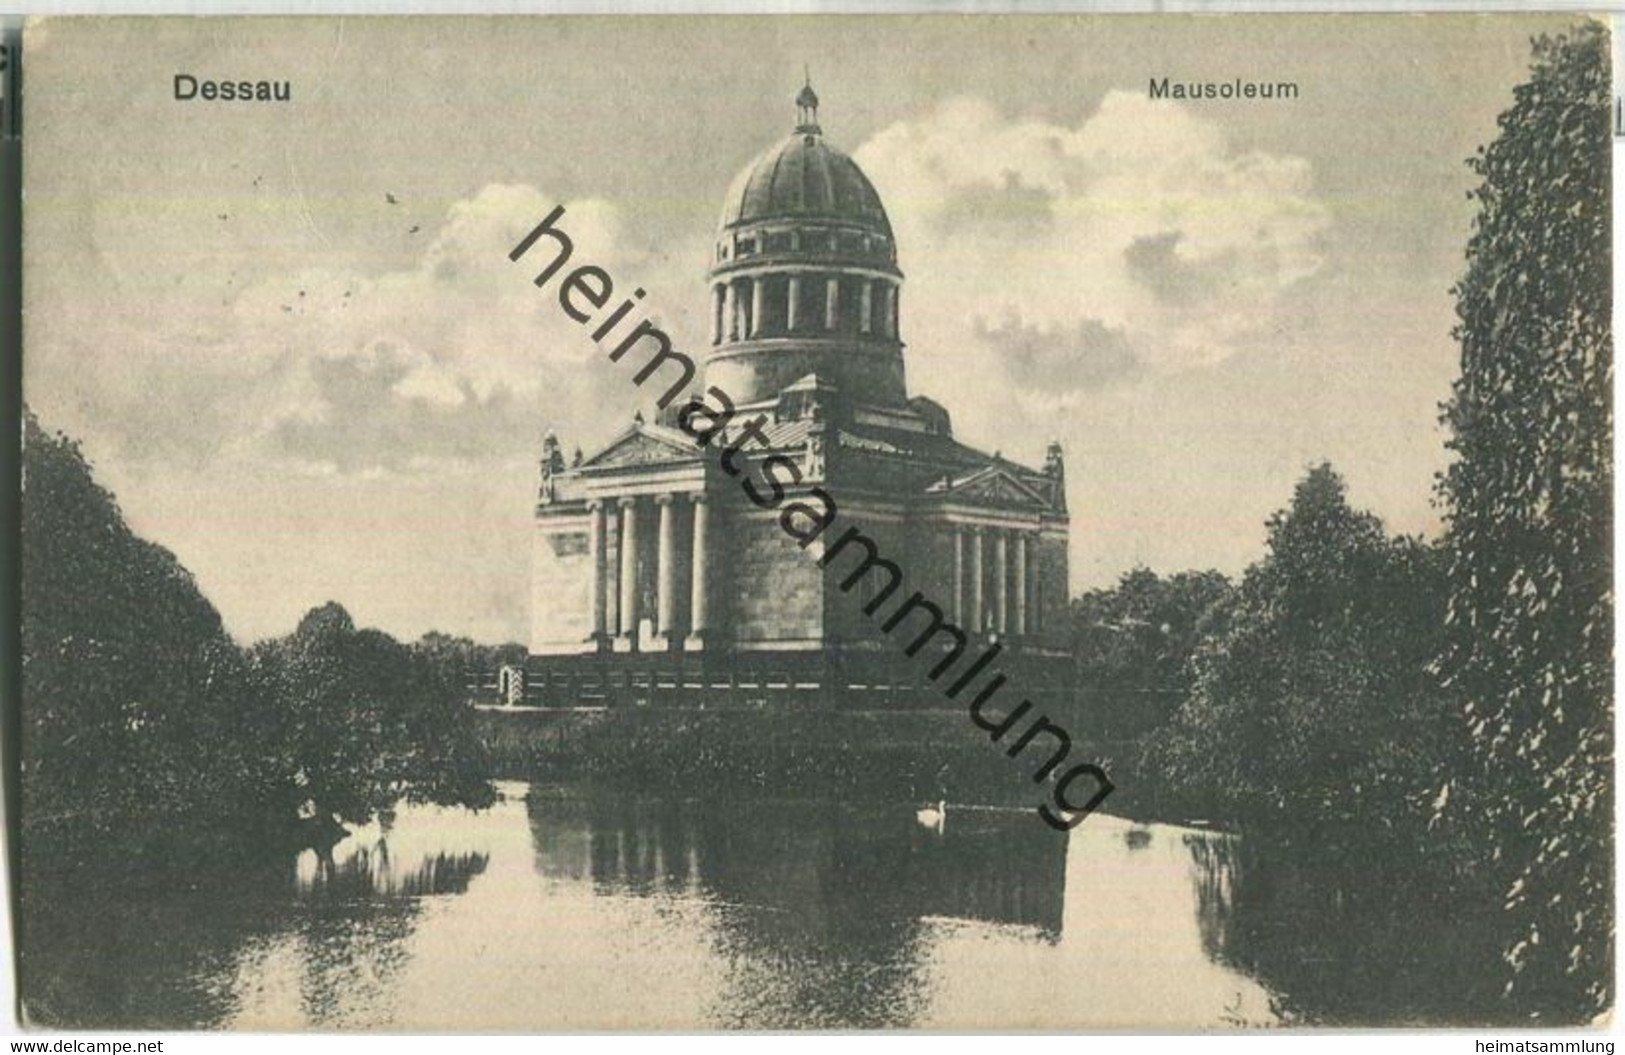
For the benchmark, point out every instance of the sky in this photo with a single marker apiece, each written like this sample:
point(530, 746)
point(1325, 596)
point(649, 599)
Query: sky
point(289, 339)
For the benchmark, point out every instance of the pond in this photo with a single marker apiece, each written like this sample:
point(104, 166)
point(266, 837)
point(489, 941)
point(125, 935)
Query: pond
point(572, 907)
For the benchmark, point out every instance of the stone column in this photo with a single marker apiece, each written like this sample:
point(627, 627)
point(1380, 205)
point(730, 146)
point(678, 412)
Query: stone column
point(866, 306)
point(718, 305)
point(730, 309)
point(595, 570)
point(792, 303)
point(896, 311)
point(629, 575)
point(832, 303)
point(977, 623)
point(698, 603)
point(959, 578)
point(1001, 581)
point(1018, 620)
point(758, 289)
point(666, 573)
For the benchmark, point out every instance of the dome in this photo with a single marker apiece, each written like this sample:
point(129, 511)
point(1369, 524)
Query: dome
point(805, 277)
point(804, 178)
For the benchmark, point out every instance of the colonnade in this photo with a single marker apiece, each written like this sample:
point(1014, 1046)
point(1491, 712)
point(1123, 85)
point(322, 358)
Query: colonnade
point(995, 573)
point(994, 580)
point(625, 578)
point(779, 304)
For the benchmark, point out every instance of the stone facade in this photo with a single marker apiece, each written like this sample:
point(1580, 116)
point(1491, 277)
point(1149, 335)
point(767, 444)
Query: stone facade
point(646, 550)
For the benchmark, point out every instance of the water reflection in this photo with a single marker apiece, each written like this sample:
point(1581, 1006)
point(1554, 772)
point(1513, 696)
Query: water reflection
point(823, 858)
point(99, 949)
point(207, 942)
point(571, 908)
point(820, 912)
point(1345, 945)
point(371, 872)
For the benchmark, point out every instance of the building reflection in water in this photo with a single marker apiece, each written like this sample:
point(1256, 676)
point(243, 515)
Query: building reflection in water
point(819, 909)
point(588, 908)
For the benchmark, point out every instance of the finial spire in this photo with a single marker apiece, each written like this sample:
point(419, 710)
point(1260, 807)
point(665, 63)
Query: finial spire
point(807, 106)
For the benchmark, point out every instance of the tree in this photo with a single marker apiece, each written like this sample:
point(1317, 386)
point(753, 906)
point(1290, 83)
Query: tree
point(1314, 708)
point(1132, 645)
point(141, 715)
point(465, 660)
point(1528, 500)
point(131, 687)
point(361, 721)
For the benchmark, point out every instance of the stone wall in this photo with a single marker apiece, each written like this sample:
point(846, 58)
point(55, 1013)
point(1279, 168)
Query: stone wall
point(774, 591)
point(560, 566)
point(920, 755)
point(1051, 590)
point(844, 608)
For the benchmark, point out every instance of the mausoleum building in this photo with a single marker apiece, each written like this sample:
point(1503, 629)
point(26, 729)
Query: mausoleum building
point(655, 581)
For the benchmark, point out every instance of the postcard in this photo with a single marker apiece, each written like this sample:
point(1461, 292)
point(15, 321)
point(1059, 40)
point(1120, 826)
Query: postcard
point(647, 523)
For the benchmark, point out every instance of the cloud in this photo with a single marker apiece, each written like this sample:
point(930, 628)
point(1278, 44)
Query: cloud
point(448, 356)
point(1138, 244)
point(388, 409)
point(460, 357)
point(1060, 260)
point(1155, 263)
point(1087, 355)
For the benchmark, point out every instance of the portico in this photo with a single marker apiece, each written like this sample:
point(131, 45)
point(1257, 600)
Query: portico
point(644, 580)
point(679, 574)
point(993, 582)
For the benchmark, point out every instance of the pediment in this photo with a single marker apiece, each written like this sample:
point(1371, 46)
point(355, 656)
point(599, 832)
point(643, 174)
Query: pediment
point(643, 445)
point(993, 486)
